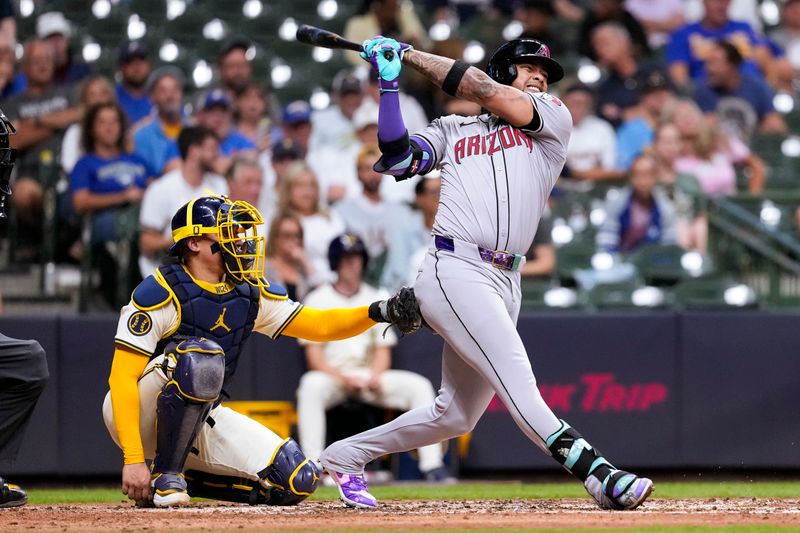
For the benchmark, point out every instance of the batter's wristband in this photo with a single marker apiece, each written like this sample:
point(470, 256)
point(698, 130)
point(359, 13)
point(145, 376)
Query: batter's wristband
point(396, 147)
point(453, 78)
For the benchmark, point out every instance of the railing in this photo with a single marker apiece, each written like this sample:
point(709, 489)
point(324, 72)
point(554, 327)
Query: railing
point(752, 237)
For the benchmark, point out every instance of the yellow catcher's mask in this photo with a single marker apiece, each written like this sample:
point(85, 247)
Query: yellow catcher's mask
point(236, 225)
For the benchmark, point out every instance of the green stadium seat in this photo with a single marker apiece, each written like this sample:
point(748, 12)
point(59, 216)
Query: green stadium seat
point(710, 293)
point(661, 264)
point(573, 256)
point(613, 295)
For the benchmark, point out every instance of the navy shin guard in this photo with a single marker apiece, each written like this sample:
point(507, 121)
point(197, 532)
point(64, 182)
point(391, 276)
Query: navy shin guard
point(184, 402)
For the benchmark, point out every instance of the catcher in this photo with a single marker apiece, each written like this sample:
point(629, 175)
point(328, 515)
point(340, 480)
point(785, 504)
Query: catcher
point(177, 344)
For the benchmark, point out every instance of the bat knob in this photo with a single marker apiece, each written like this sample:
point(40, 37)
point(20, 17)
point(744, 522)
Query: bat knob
point(388, 55)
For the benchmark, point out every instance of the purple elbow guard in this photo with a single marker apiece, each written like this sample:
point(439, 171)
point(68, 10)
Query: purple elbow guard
point(405, 157)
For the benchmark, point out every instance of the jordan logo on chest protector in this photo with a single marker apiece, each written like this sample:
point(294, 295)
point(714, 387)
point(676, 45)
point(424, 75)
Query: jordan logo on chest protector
point(220, 323)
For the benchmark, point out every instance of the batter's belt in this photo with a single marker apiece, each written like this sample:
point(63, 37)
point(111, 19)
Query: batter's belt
point(497, 258)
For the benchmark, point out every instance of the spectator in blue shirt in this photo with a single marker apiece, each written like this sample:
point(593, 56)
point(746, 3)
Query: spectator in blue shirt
point(690, 45)
point(741, 102)
point(107, 177)
point(105, 183)
point(156, 140)
point(54, 28)
point(637, 133)
point(134, 69)
point(215, 112)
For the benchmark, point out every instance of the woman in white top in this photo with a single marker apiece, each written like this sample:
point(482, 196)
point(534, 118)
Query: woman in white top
point(95, 91)
point(300, 195)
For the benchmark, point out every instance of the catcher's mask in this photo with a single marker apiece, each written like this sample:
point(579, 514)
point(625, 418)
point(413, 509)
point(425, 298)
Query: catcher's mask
point(7, 157)
point(502, 66)
point(236, 225)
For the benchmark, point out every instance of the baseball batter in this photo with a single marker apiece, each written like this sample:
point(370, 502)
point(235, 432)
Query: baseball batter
point(497, 172)
point(177, 344)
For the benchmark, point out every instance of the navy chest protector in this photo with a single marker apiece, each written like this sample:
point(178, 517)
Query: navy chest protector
point(226, 318)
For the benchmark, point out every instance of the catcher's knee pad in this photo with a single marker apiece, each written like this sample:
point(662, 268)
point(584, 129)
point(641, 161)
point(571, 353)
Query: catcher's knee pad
point(291, 475)
point(576, 455)
point(198, 369)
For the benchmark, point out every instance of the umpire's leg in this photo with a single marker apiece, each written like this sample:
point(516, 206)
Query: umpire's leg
point(23, 375)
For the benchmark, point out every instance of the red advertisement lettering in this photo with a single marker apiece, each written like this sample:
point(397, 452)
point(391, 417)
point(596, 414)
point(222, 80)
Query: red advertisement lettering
point(596, 393)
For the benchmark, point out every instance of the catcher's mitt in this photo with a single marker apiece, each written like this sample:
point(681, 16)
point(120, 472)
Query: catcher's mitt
point(400, 310)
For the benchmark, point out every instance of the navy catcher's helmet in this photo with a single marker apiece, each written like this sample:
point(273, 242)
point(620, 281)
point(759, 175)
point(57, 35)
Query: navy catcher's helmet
point(346, 243)
point(502, 66)
point(236, 226)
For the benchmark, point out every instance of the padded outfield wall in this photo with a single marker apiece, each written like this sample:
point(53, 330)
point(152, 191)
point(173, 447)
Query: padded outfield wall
point(648, 389)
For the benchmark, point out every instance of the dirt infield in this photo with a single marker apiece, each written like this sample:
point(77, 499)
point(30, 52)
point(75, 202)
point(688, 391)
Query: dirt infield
point(406, 515)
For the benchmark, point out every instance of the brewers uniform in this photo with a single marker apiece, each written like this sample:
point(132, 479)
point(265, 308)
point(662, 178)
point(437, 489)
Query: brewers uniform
point(231, 444)
point(496, 179)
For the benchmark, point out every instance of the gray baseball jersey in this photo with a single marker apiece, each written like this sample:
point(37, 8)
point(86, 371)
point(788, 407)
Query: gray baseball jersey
point(495, 182)
point(496, 178)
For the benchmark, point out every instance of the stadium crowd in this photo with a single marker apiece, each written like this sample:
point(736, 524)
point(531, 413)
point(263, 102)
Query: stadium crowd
point(661, 93)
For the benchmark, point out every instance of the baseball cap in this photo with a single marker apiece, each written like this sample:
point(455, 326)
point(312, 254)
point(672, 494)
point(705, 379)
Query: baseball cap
point(286, 149)
point(654, 80)
point(347, 82)
point(132, 50)
point(52, 23)
point(365, 115)
point(162, 72)
point(234, 43)
point(216, 97)
point(296, 112)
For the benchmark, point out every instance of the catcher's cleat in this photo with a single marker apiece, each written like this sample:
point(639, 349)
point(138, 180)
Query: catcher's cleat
point(353, 490)
point(11, 495)
point(620, 490)
point(169, 490)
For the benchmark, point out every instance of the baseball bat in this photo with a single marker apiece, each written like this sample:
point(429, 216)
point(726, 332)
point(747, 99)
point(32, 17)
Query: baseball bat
point(324, 38)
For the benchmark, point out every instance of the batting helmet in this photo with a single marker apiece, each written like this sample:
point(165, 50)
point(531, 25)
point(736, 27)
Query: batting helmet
point(236, 226)
point(346, 243)
point(502, 66)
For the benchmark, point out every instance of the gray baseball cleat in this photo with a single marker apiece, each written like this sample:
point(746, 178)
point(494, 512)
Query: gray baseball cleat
point(620, 491)
point(170, 490)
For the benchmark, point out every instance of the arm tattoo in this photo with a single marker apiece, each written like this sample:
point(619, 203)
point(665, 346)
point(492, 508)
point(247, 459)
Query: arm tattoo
point(475, 85)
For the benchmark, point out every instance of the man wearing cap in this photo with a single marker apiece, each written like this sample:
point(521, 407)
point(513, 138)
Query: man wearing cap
point(155, 141)
point(333, 126)
point(637, 133)
point(40, 114)
point(297, 123)
point(134, 69)
point(193, 178)
point(54, 28)
point(235, 70)
point(216, 114)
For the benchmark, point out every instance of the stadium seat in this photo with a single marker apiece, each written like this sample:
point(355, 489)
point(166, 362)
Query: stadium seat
point(714, 293)
point(663, 264)
point(570, 257)
point(612, 295)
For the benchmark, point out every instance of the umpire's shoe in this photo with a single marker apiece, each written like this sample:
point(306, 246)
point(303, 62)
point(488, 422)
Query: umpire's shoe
point(619, 491)
point(11, 495)
point(169, 490)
